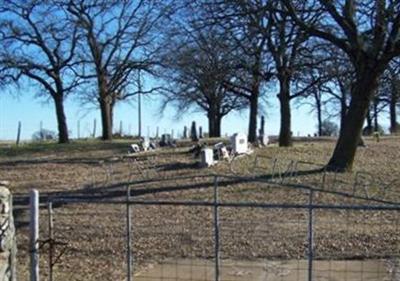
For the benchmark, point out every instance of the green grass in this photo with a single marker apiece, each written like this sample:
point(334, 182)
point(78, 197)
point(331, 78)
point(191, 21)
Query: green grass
point(53, 147)
point(76, 146)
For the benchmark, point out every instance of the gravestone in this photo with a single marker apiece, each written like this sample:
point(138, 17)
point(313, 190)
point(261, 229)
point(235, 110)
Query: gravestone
point(146, 143)
point(193, 132)
point(207, 157)
point(166, 140)
point(221, 151)
point(185, 134)
point(239, 143)
point(134, 148)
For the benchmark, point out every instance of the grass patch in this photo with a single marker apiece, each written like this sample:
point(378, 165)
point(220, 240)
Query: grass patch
point(72, 147)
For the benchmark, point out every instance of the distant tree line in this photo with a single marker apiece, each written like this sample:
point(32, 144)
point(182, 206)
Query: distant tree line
point(341, 58)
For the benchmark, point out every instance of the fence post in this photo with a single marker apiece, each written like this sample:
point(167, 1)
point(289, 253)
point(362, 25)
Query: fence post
point(78, 129)
point(310, 235)
point(94, 129)
point(51, 239)
point(18, 133)
point(34, 234)
point(216, 229)
point(128, 234)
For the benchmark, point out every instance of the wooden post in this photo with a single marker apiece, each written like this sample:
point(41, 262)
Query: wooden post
point(34, 234)
point(94, 128)
point(79, 130)
point(19, 133)
point(41, 131)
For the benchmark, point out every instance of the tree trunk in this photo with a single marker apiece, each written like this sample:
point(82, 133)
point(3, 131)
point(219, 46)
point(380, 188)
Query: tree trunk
point(212, 116)
point(376, 123)
point(393, 114)
point(106, 118)
point(343, 111)
point(218, 126)
point(346, 147)
point(211, 126)
point(285, 135)
point(214, 122)
point(368, 129)
point(255, 93)
point(61, 120)
point(106, 106)
point(319, 115)
point(252, 137)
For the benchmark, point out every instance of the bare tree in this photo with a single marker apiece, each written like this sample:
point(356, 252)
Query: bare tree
point(336, 87)
point(121, 38)
point(284, 42)
point(195, 71)
point(389, 93)
point(368, 32)
point(316, 104)
point(38, 44)
point(246, 23)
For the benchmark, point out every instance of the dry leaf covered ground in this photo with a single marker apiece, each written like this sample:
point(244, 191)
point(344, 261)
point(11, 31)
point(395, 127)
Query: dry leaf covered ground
point(94, 234)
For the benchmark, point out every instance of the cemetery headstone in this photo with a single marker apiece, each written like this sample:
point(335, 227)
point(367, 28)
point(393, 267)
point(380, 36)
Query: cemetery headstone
point(239, 143)
point(166, 140)
point(207, 157)
point(134, 148)
point(193, 132)
point(146, 144)
point(185, 133)
point(221, 151)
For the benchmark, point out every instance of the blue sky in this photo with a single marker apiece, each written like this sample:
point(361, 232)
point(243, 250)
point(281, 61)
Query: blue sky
point(31, 111)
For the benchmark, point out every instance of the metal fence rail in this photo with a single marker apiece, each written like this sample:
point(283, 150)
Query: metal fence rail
point(213, 235)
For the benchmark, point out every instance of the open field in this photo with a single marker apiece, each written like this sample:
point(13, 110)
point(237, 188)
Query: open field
point(95, 233)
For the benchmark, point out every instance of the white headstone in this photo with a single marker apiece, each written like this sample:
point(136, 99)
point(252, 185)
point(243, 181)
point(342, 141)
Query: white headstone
point(239, 143)
point(221, 151)
point(135, 148)
point(224, 153)
point(207, 157)
point(146, 143)
point(264, 140)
